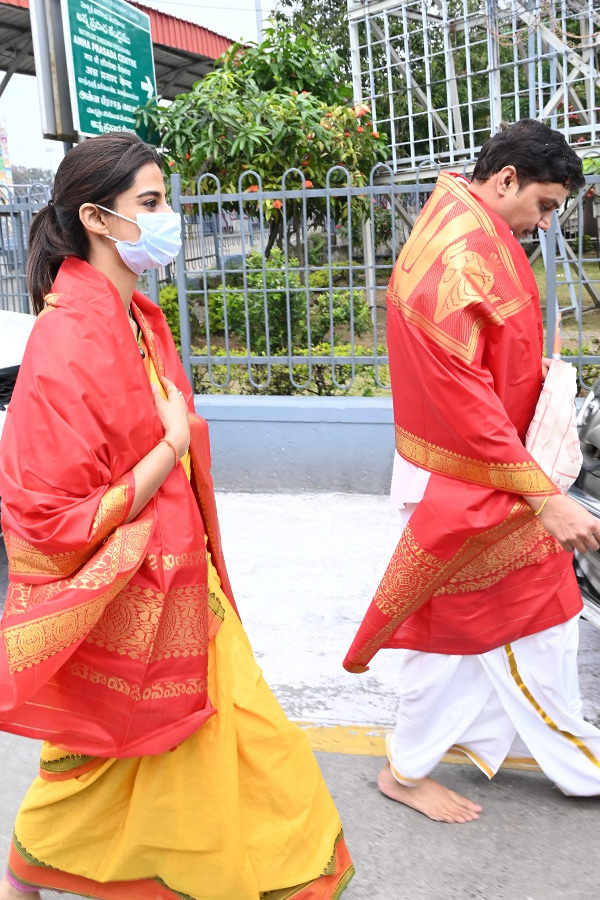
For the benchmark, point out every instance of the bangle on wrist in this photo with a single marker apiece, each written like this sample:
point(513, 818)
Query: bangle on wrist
point(540, 508)
point(169, 444)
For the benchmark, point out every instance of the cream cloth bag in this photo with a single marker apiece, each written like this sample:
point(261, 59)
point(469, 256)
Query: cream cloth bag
point(552, 437)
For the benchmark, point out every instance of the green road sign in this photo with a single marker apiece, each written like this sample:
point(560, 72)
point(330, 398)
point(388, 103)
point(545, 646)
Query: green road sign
point(110, 63)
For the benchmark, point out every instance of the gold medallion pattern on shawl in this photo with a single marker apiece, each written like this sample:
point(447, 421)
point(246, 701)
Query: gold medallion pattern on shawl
point(518, 478)
point(159, 690)
point(403, 590)
point(146, 624)
point(466, 278)
point(408, 574)
point(29, 643)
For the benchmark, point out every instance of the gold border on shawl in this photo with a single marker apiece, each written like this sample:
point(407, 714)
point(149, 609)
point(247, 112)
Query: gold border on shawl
point(31, 642)
point(157, 690)
point(149, 339)
point(25, 559)
point(406, 588)
point(529, 546)
point(112, 509)
point(168, 561)
point(518, 478)
point(546, 718)
point(195, 426)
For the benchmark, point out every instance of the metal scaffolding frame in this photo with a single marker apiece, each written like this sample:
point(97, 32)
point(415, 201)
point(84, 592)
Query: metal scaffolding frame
point(440, 76)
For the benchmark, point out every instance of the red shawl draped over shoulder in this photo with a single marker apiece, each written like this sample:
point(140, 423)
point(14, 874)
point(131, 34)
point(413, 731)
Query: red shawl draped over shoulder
point(474, 568)
point(103, 643)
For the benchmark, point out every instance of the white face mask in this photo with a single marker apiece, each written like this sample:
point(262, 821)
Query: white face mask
point(158, 244)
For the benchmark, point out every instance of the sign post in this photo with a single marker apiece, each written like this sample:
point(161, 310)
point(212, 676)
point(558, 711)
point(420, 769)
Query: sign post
point(109, 62)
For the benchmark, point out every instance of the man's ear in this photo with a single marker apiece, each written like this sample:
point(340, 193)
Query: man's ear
point(506, 180)
point(93, 219)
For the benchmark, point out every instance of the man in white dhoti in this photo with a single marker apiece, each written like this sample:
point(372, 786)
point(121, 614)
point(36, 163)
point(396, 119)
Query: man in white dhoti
point(480, 596)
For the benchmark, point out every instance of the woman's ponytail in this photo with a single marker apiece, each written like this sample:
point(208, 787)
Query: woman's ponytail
point(47, 250)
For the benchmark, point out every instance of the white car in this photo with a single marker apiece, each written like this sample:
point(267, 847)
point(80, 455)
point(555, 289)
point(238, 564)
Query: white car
point(15, 329)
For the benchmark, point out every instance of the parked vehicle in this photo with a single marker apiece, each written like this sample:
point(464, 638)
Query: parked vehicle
point(586, 490)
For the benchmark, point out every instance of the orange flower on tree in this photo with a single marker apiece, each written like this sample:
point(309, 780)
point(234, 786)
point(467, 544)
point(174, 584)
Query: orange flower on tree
point(252, 189)
point(308, 183)
point(277, 204)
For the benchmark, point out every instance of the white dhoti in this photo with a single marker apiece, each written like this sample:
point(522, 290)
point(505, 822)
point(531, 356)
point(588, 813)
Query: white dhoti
point(519, 703)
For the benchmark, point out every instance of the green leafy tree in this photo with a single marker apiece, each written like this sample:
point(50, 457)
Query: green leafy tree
point(328, 17)
point(267, 108)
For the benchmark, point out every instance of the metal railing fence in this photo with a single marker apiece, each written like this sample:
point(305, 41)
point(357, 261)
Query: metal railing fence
point(311, 317)
point(18, 205)
point(283, 291)
point(297, 302)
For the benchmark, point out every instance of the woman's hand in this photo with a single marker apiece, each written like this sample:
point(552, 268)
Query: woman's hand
point(573, 526)
point(173, 413)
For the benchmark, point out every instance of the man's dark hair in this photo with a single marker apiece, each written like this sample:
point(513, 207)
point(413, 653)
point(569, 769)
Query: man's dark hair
point(537, 152)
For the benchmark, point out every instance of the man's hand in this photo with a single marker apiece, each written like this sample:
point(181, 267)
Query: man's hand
point(573, 526)
point(545, 366)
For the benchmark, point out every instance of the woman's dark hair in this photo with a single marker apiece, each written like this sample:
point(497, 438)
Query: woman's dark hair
point(95, 171)
point(537, 152)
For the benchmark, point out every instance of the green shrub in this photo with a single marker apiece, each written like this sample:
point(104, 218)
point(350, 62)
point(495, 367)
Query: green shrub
point(277, 288)
point(236, 380)
point(167, 298)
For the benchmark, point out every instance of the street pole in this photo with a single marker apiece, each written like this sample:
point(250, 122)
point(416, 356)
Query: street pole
point(259, 29)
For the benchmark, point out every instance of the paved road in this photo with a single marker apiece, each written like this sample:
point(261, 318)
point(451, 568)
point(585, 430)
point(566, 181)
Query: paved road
point(311, 562)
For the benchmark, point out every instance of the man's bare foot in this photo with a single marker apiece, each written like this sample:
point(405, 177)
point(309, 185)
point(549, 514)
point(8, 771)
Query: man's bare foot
point(428, 797)
point(8, 892)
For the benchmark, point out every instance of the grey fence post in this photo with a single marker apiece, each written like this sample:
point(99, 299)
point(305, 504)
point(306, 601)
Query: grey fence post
point(551, 301)
point(216, 237)
point(153, 289)
point(369, 252)
point(184, 314)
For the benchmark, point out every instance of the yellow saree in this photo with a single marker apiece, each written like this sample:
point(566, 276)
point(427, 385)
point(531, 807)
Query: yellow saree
point(237, 811)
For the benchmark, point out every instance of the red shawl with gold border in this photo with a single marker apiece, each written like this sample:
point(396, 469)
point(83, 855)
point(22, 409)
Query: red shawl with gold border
point(103, 641)
point(474, 568)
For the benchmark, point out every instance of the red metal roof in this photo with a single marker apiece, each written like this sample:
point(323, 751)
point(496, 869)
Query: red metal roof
point(169, 31)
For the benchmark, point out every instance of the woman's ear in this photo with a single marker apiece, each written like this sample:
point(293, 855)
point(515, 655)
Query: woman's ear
point(93, 218)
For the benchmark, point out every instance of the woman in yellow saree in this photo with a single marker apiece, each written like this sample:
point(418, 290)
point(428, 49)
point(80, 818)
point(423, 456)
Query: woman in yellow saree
point(168, 769)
